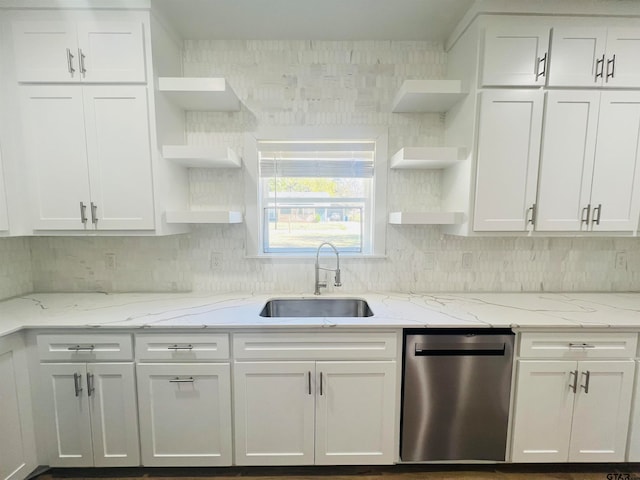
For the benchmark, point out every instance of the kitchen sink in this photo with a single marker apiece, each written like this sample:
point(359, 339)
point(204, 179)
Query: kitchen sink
point(316, 307)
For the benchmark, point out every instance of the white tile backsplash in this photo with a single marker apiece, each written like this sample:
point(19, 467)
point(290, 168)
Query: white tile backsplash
point(317, 83)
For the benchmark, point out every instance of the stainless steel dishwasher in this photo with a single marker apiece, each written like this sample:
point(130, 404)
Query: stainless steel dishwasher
point(455, 394)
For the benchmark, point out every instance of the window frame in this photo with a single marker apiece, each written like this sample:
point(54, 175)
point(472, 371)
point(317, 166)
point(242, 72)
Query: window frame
point(253, 213)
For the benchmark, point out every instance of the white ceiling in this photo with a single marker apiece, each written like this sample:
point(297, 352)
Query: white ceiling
point(314, 19)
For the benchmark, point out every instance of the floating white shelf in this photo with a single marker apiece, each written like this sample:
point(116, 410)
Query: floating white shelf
point(201, 156)
point(204, 216)
point(427, 157)
point(417, 96)
point(426, 218)
point(200, 93)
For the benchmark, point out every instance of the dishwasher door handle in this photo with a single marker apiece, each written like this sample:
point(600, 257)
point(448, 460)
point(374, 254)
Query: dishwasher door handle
point(459, 349)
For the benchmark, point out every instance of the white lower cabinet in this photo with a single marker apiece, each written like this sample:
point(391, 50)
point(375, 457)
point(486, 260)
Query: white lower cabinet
point(185, 414)
point(307, 411)
point(576, 411)
point(92, 414)
point(17, 440)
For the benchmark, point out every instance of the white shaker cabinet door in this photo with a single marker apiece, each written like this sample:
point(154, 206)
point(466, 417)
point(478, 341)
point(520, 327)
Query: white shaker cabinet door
point(577, 57)
point(601, 411)
point(566, 168)
point(185, 414)
point(615, 194)
point(45, 51)
point(119, 157)
point(622, 65)
point(56, 156)
point(114, 416)
point(515, 57)
point(111, 52)
point(68, 419)
point(543, 411)
point(355, 419)
point(508, 156)
point(274, 413)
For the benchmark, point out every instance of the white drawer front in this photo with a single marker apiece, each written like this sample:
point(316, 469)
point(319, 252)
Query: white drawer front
point(182, 348)
point(315, 346)
point(578, 345)
point(85, 347)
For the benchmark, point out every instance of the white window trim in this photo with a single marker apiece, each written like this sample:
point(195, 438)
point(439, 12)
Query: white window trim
point(251, 177)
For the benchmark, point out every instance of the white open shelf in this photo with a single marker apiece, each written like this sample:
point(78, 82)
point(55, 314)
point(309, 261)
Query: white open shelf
point(427, 157)
point(204, 216)
point(200, 93)
point(196, 156)
point(417, 96)
point(426, 218)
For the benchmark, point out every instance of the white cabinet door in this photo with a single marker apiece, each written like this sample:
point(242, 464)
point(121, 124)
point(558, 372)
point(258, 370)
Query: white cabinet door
point(543, 410)
point(55, 149)
point(633, 453)
point(515, 57)
point(577, 57)
point(566, 165)
point(114, 418)
point(69, 423)
point(274, 413)
point(45, 51)
point(622, 68)
point(4, 215)
point(119, 157)
point(17, 441)
point(601, 411)
point(185, 414)
point(615, 195)
point(111, 51)
point(355, 413)
point(508, 156)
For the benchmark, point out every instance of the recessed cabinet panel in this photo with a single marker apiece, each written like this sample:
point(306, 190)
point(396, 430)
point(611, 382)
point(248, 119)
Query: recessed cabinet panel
point(622, 68)
point(56, 155)
point(515, 57)
point(616, 177)
point(12, 454)
point(568, 150)
point(508, 153)
point(577, 57)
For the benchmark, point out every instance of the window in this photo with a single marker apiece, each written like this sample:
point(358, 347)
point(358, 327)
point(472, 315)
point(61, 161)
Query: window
point(307, 191)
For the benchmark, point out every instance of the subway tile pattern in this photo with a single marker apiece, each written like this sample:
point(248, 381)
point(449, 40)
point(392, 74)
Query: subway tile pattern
point(295, 83)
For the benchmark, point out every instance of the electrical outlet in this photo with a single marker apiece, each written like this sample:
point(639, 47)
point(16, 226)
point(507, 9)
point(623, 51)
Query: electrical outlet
point(429, 260)
point(621, 260)
point(110, 261)
point(216, 260)
point(467, 260)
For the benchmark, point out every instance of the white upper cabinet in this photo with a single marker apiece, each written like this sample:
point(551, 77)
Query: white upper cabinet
point(4, 216)
point(590, 57)
point(83, 51)
point(88, 156)
point(589, 166)
point(508, 154)
point(515, 57)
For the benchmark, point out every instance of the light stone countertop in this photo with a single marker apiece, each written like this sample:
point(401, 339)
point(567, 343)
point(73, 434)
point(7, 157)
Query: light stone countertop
point(391, 310)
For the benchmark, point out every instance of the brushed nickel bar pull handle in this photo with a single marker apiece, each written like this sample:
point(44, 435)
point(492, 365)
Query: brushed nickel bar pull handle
point(180, 347)
point(77, 383)
point(83, 213)
point(587, 374)
point(532, 218)
point(585, 219)
point(90, 387)
point(581, 345)
point(320, 383)
point(543, 61)
point(70, 62)
point(596, 218)
point(83, 70)
point(599, 62)
point(94, 213)
point(81, 348)
point(182, 380)
point(309, 380)
point(611, 62)
point(574, 386)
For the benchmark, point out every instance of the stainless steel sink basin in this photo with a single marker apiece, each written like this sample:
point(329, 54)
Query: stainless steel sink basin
point(316, 307)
